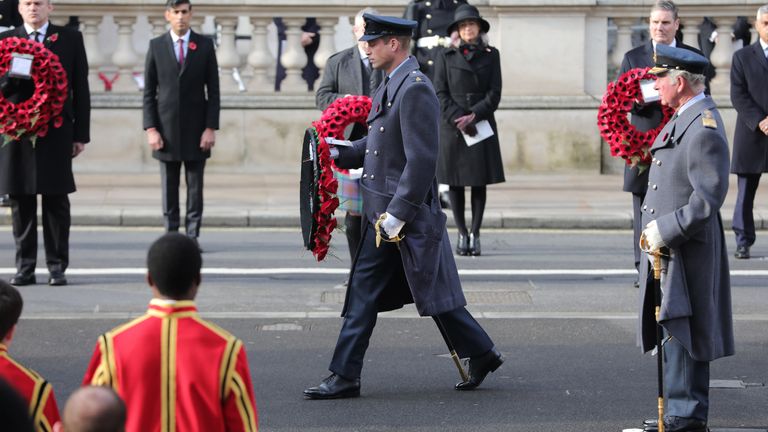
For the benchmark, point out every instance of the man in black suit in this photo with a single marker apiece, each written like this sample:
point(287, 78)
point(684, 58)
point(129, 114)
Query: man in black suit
point(181, 112)
point(9, 18)
point(749, 95)
point(664, 24)
point(46, 167)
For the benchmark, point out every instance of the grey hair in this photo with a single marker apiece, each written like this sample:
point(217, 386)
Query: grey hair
point(697, 82)
point(762, 10)
point(368, 10)
point(665, 5)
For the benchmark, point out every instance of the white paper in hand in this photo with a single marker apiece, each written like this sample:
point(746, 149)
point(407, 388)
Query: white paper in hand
point(484, 131)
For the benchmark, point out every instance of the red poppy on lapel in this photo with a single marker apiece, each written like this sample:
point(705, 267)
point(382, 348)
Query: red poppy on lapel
point(53, 38)
point(192, 46)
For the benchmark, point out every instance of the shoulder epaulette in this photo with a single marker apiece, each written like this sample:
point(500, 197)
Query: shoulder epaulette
point(708, 120)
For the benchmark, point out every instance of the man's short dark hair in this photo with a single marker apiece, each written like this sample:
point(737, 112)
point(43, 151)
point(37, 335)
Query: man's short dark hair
point(170, 4)
point(174, 263)
point(10, 307)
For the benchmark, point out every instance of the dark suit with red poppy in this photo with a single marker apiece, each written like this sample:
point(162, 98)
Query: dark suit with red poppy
point(181, 101)
point(46, 168)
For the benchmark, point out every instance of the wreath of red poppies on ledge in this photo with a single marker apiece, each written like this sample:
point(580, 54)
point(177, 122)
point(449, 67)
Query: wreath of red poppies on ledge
point(340, 114)
point(624, 139)
point(30, 118)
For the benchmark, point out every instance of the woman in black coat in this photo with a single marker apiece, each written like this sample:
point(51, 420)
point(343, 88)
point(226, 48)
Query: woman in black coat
point(468, 84)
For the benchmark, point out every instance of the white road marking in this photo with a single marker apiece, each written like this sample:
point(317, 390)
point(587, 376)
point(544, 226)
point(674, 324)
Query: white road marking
point(244, 271)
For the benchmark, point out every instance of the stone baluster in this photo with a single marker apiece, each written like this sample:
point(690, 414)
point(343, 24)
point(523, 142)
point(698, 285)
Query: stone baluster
point(721, 56)
point(90, 26)
point(293, 57)
point(691, 30)
point(197, 23)
point(159, 25)
point(623, 39)
point(125, 57)
point(326, 48)
point(226, 54)
point(259, 58)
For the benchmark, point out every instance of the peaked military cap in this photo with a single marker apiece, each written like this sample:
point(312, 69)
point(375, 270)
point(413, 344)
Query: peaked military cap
point(377, 26)
point(669, 58)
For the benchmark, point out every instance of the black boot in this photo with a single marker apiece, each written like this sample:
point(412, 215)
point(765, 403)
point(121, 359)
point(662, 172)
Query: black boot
point(334, 387)
point(474, 244)
point(479, 367)
point(462, 245)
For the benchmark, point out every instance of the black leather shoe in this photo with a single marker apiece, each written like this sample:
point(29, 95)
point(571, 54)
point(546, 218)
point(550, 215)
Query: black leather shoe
point(57, 279)
point(462, 245)
point(334, 387)
point(636, 283)
point(474, 245)
point(21, 279)
point(676, 424)
point(479, 367)
point(5, 201)
point(742, 252)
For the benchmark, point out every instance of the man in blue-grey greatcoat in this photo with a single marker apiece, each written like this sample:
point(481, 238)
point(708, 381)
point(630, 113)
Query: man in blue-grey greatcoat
point(399, 160)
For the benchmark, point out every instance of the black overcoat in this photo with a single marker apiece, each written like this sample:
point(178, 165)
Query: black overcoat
point(399, 156)
point(465, 87)
point(749, 95)
point(181, 102)
point(46, 168)
point(433, 19)
point(644, 117)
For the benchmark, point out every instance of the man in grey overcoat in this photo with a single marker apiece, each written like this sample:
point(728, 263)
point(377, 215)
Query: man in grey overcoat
point(688, 181)
point(399, 160)
point(749, 95)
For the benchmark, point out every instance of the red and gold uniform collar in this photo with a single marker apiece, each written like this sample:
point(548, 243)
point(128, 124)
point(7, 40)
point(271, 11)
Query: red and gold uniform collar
point(3, 348)
point(170, 308)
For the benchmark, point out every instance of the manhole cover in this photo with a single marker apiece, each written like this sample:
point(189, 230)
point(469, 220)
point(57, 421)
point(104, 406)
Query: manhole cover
point(280, 327)
point(336, 296)
point(498, 297)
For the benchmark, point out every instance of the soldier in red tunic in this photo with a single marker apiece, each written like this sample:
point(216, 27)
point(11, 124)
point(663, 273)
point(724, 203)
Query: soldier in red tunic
point(32, 387)
point(174, 370)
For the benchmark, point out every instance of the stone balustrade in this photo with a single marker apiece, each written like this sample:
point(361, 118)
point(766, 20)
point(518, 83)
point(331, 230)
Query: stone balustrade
point(557, 56)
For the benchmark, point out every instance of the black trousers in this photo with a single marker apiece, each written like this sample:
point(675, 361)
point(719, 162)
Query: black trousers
point(374, 270)
point(743, 220)
point(56, 223)
point(170, 174)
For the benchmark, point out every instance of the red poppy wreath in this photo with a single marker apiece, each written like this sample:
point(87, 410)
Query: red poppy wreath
point(30, 118)
point(334, 120)
point(624, 139)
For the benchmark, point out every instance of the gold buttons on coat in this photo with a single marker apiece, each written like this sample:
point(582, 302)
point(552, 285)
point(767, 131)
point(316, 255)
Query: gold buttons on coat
point(652, 210)
point(429, 31)
point(389, 104)
point(365, 175)
point(658, 162)
point(369, 127)
point(645, 207)
point(375, 152)
point(367, 151)
point(429, 16)
point(372, 176)
point(655, 187)
point(428, 4)
point(430, 62)
point(381, 129)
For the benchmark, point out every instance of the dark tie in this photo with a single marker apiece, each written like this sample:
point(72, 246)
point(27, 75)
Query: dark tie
point(34, 35)
point(181, 52)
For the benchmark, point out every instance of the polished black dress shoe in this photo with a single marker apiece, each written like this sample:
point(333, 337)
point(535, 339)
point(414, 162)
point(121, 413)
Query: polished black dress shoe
point(676, 424)
point(57, 279)
point(462, 245)
point(21, 279)
point(636, 283)
point(334, 387)
point(474, 244)
point(479, 367)
point(742, 252)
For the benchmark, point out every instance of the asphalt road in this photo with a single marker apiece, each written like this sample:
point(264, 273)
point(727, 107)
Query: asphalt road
point(558, 304)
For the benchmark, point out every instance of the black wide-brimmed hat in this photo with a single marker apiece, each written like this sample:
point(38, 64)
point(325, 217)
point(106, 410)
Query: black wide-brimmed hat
point(468, 12)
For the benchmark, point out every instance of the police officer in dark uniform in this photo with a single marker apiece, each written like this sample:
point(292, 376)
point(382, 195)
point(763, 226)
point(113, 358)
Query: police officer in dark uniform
point(433, 18)
point(414, 262)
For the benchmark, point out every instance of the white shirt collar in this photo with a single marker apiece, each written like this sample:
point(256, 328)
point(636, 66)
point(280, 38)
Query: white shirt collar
point(42, 30)
point(763, 44)
point(673, 44)
point(175, 38)
point(394, 71)
point(690, 103)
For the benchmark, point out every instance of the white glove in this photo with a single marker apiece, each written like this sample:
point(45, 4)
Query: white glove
point(334, 153)
point(392, 225)
point(653, 236)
